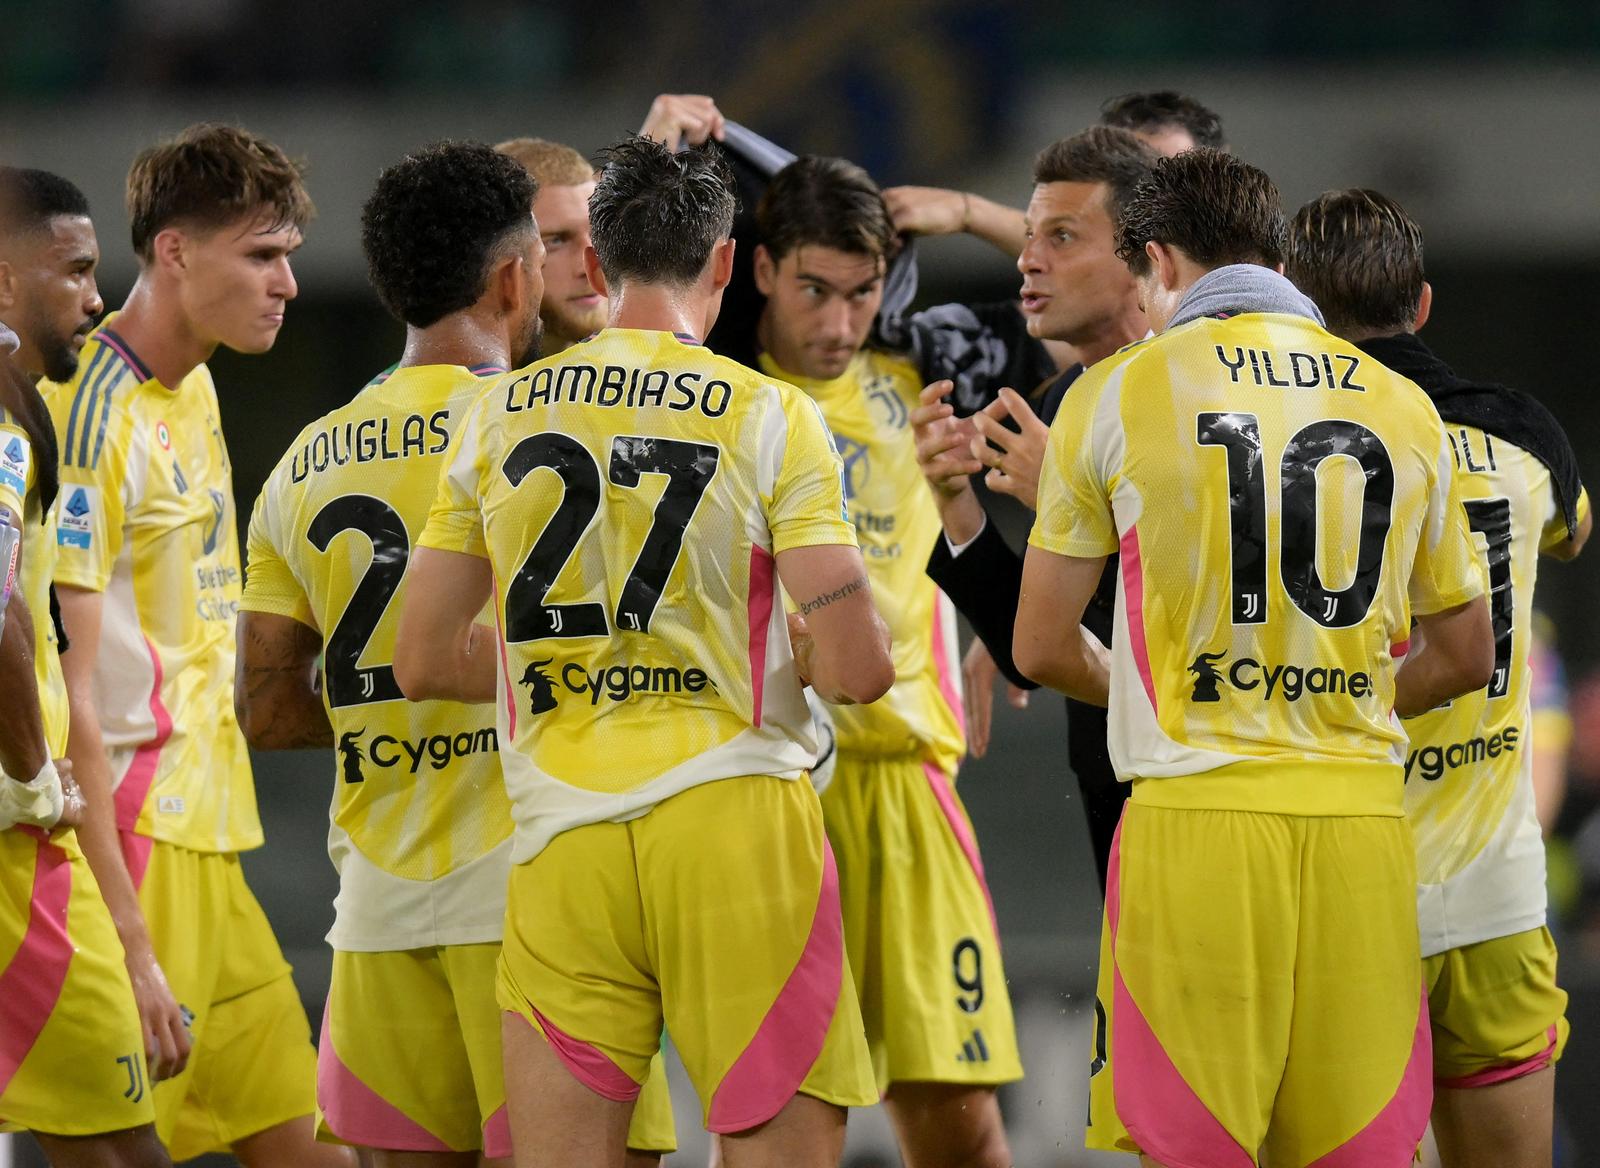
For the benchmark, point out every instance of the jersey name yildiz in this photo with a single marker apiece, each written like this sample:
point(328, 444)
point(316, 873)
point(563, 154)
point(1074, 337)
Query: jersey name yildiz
point(1283, 505)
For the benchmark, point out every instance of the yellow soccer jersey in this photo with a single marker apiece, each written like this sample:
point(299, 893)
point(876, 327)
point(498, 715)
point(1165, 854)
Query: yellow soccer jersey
point(631, 494)
point(146, 517)
point(1283, 505)
point(1469, 771)
point(19, 494)
point(868, 409)
point(421, 824)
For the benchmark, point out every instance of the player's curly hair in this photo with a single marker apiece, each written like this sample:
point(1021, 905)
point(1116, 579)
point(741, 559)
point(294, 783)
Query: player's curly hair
point(1161, 109)
point(1211, 206)
point(438, 221)
point(1359, 256)
point(209, 176)
point(656, 214)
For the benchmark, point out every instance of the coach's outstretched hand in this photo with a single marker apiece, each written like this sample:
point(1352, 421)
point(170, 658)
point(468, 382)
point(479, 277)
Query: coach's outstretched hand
point(678, 118)
point(1014, 467)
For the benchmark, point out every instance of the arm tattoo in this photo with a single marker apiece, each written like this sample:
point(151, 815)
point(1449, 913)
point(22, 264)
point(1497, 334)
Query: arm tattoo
point(809, 606)
point(280, 688)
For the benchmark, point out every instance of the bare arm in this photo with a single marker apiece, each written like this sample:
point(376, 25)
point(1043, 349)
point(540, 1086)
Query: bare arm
point(1452, 653)
point(848, 657)
point(936, 211)
point(23, 749)
point(1051, 645)
point(275, 683)
point(166, 1038)
point(440, 652)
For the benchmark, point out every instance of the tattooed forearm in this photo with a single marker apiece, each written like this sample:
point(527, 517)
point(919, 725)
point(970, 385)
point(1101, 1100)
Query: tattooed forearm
point(827, 598)
point(275, 691)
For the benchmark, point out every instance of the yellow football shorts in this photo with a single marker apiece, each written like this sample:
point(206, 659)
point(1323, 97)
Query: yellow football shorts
point(71, 1045)
point(1260, 989)
point(716, 912)
point(1497, 1012)
point(919, 925)
point(253, 1065)
point(410, 1057)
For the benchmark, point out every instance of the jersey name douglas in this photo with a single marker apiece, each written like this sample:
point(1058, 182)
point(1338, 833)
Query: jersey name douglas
point(421, 824)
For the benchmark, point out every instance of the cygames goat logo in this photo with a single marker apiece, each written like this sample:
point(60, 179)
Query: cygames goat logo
point(1270, 682)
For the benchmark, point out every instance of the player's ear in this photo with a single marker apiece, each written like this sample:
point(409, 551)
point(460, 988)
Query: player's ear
point(722, 263)
point(591, 268)
point(1424, 307)
point(766, 270)
point(167, 249)
point(509, 284)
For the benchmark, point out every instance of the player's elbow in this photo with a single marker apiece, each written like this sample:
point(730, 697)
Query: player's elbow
point(870, 680)
point(1471, 649)
point(414, 673)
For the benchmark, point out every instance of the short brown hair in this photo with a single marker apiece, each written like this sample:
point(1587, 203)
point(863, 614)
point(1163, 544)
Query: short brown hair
point(550, 163)
point(1165, 109)
point(1211, 206)
point(1100, 154)
point(209, 176)
point(824, 202)
point(1359, 256)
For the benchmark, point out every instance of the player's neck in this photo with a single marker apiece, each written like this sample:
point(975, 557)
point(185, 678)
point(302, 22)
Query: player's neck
point(659, 308)
point(155, 328)
point(1117, 332)
point(458, 339)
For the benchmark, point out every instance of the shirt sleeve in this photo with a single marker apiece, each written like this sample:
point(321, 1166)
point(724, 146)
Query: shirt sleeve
point(270, 585)
point(1555, 529)
point(806, 506)
point(1448, 569)
point(1075, 517)
point(91, 506)
point(455, 524)
point(16, 466)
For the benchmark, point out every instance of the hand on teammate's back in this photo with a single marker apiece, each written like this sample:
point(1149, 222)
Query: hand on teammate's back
point(73, 804)
point(678, 118)
point(943, 442)
point(1014, 468)
point(978, 675)
point(927, 210)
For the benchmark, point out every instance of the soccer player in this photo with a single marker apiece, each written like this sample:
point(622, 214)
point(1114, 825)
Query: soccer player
point(1498, 1017)
point(919, 926)
point(72, 1064)
point(1285, 507)
point(1074, 289)
point(572, 310)
point(149, 578)
point(630, 506)
point(421, 834)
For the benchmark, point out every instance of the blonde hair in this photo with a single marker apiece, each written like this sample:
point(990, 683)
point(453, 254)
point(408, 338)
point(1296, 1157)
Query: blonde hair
point(550, 163)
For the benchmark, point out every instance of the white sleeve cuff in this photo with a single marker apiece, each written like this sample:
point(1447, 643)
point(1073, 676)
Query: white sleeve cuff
point(957, 548)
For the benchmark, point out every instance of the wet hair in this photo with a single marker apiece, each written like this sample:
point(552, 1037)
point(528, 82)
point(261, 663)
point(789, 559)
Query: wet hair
point(210, 176)
point(1211, 206)
point(824, 202)
point(1100, 154)
point(1359, 256)
point(656, 214)
point(1163, 109)
point(437, 223)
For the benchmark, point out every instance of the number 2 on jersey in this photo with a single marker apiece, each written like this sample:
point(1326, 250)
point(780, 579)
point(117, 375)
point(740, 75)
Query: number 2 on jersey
point(349, 682)
point(689, 468)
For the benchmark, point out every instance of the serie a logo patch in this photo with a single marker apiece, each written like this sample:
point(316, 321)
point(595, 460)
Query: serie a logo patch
point(75, 521)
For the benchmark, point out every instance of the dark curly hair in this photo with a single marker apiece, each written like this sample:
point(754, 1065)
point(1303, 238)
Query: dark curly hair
point(437, 222)
point(1214, 208)
point(656, 214)
point(1161, 109)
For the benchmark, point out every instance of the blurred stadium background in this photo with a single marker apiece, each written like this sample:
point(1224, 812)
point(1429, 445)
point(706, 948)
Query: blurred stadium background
point(1480, 117)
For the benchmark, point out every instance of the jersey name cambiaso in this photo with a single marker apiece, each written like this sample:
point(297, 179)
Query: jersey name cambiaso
point(420, 823)
point(146, 517)
point(631, 494)
point(19, 494)
point(1283, 505)
point(868, 409)
point(1469, 768)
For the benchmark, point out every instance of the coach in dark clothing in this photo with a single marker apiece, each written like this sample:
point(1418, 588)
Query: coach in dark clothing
point(1074, 289)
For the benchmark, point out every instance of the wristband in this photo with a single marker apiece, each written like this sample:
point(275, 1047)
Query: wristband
point(38, 803)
